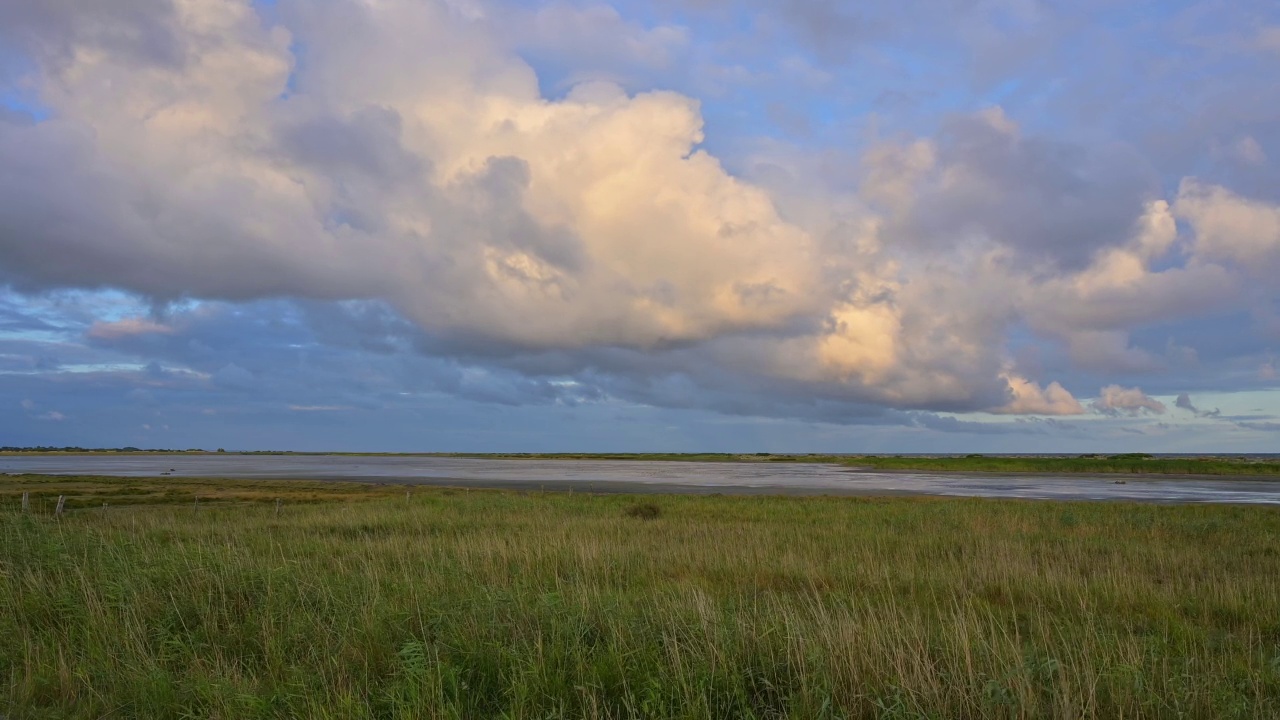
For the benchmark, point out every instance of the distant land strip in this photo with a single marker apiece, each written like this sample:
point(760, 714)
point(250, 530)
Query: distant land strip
point(1124, 463)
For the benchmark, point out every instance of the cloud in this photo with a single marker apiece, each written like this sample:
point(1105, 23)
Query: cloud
point(594, 36)
point(1267, 38)
point(991, 183)
point(1116, 400)
point(1184, 402)
point(362, 357)
point(128, 327)
point(1031, 399)
point(482, 212)
point(588, 220)
point(234, 377)
point(1229, 228)
point(396, 171)
point(1260, 426)
point(1247, 150)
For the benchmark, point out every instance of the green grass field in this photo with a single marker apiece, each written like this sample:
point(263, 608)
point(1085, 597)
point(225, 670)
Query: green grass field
point(355, 602)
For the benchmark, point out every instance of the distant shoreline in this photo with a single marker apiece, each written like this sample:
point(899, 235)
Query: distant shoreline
point(86, 491)
point(1120, 466)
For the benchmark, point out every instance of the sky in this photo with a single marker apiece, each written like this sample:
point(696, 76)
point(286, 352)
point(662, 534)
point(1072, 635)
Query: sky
point(676, 225)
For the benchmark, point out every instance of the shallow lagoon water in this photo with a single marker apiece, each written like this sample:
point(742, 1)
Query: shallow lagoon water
point(652, 476)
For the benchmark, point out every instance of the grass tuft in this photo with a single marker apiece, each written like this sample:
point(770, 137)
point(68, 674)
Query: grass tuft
point(644, 511)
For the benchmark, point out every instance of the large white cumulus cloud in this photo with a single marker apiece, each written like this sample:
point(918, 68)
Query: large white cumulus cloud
point(393, 150)
point(414, 163)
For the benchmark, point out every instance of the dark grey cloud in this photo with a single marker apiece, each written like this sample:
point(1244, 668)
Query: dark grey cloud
point(1184, 402)
point(50, 29)
point(346, 375)
point(1051, 200)
point(366, 144)
point(361, 354)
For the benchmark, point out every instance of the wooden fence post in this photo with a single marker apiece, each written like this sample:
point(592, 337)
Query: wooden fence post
point(62, 501)
point(26, 502)
point(277, 507)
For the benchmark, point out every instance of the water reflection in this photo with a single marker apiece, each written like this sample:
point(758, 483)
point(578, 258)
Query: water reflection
point(644, 476)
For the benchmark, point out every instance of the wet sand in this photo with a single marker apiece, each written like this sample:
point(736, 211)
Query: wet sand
point(641, 476)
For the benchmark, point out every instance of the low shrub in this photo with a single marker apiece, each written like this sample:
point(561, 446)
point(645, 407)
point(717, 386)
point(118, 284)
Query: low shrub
point(644, 511)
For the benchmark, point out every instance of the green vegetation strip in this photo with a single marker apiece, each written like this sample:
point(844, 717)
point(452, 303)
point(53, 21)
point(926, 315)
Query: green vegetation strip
point(1133, 464)
point(91, 491)
point(1127, 463)
point(485, 604)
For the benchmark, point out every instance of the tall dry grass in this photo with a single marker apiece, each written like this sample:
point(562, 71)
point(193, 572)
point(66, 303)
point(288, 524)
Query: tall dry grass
point(489, 605)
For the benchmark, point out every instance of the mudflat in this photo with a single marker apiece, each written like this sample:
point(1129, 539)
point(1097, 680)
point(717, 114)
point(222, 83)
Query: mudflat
point(659, 476)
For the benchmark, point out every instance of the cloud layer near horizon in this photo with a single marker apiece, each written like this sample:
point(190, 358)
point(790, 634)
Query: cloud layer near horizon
point(405, 153)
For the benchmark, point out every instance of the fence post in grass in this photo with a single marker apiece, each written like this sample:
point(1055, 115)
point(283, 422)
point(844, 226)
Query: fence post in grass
point(277, 507)
point(62, 501)
point(197, 502)
point(406, 496)
point(26, 502)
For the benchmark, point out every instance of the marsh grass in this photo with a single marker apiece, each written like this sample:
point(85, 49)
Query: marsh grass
point(90, 491)
point(487, 604)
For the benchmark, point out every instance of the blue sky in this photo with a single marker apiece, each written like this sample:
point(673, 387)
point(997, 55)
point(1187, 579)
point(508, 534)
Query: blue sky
point(490, 225)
